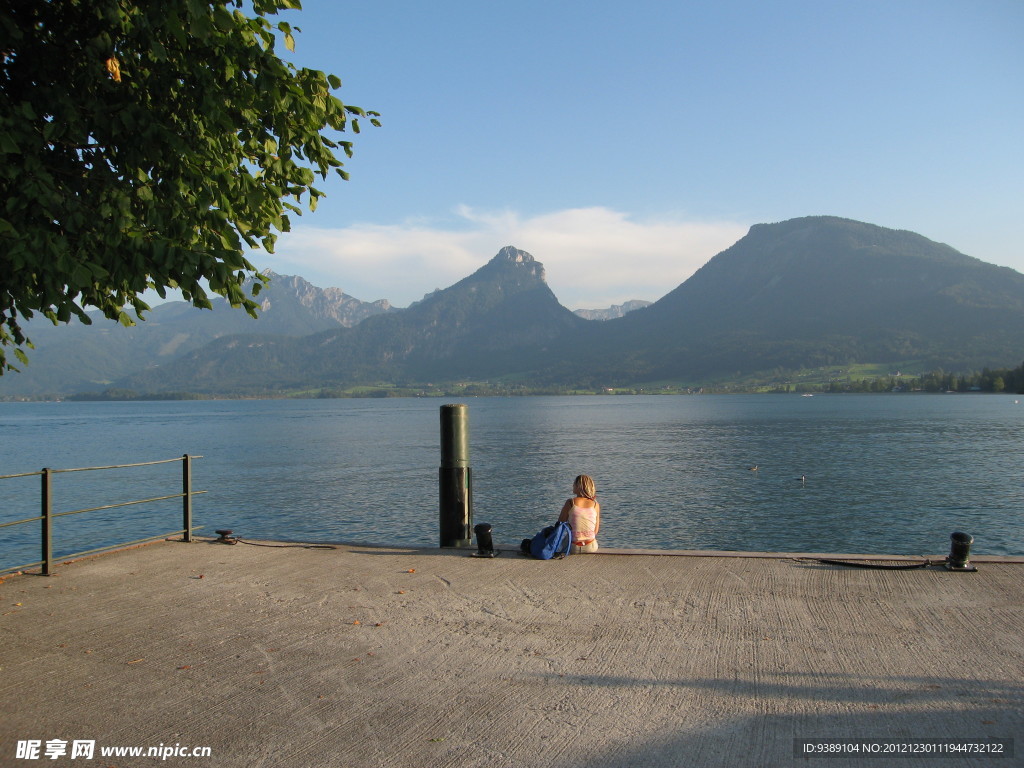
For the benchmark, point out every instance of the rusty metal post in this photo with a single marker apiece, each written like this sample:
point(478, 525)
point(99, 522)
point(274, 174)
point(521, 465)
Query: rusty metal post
point(186, 495)
point(455, 478)
point(47, 522)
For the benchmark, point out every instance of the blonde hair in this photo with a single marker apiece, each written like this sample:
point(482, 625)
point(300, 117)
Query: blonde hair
point(583, 485)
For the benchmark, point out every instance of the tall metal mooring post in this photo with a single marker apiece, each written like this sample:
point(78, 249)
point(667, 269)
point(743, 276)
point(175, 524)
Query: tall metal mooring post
point(455, 478)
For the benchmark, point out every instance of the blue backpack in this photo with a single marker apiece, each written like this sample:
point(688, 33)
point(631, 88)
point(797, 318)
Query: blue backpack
point(552, 543)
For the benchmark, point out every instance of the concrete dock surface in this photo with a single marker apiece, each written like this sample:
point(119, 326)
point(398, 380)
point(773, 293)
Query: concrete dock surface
point(356, 656)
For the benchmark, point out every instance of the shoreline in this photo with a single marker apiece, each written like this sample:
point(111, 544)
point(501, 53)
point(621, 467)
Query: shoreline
point(386, 393)
point(934, 560)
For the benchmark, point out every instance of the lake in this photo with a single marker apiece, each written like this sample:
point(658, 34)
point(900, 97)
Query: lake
point(883, 474)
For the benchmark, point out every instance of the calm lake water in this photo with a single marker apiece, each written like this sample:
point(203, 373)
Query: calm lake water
point(886, 474)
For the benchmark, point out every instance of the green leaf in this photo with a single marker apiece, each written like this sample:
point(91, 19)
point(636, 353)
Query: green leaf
point(7, 143)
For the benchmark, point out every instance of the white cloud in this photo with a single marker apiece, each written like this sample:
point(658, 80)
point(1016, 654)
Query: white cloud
point(593, 257)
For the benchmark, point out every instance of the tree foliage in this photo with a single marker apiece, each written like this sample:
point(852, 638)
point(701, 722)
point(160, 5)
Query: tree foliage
point(146, 144)
point(992, 380)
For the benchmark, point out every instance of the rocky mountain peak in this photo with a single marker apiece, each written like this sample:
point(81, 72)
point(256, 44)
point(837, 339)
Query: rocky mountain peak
point(510, 256)
point(321, 304)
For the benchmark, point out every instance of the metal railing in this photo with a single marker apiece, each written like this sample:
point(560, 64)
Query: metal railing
point(47, 515)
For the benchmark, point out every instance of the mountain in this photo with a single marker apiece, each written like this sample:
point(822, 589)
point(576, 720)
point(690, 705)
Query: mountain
point(296, 307)
point(804, 293)
point(822, 291)
point(501, 318)
point(77, 357)
point(612, 312)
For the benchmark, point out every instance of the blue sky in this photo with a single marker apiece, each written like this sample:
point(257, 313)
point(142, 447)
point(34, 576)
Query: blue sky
point(625, 144)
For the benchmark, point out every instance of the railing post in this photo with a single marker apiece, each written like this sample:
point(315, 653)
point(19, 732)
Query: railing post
point(186, 498)
point(47, 522)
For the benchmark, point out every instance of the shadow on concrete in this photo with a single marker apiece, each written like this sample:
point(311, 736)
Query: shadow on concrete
point(859, 688)
point(437, 552)
point(975, 711)
point(771, 740)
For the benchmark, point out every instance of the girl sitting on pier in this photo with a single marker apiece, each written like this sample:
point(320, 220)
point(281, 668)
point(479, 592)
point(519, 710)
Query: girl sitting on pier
point(583, 514)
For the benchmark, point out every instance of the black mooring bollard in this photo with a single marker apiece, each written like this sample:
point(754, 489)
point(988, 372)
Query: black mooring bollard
point(960, 552)
point(484, 541)
point(455, 478)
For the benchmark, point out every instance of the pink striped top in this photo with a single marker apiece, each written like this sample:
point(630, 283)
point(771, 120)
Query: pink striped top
point(583, 521)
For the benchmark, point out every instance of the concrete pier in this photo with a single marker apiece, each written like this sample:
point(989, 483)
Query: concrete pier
point(353, 656)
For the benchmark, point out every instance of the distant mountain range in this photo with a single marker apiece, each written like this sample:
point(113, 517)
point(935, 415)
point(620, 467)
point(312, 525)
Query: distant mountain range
point(77, 357)
point(809, 292)
point(612, 312)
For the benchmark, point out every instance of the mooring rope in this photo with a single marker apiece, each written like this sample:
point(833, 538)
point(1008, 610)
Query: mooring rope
point(879, 566)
